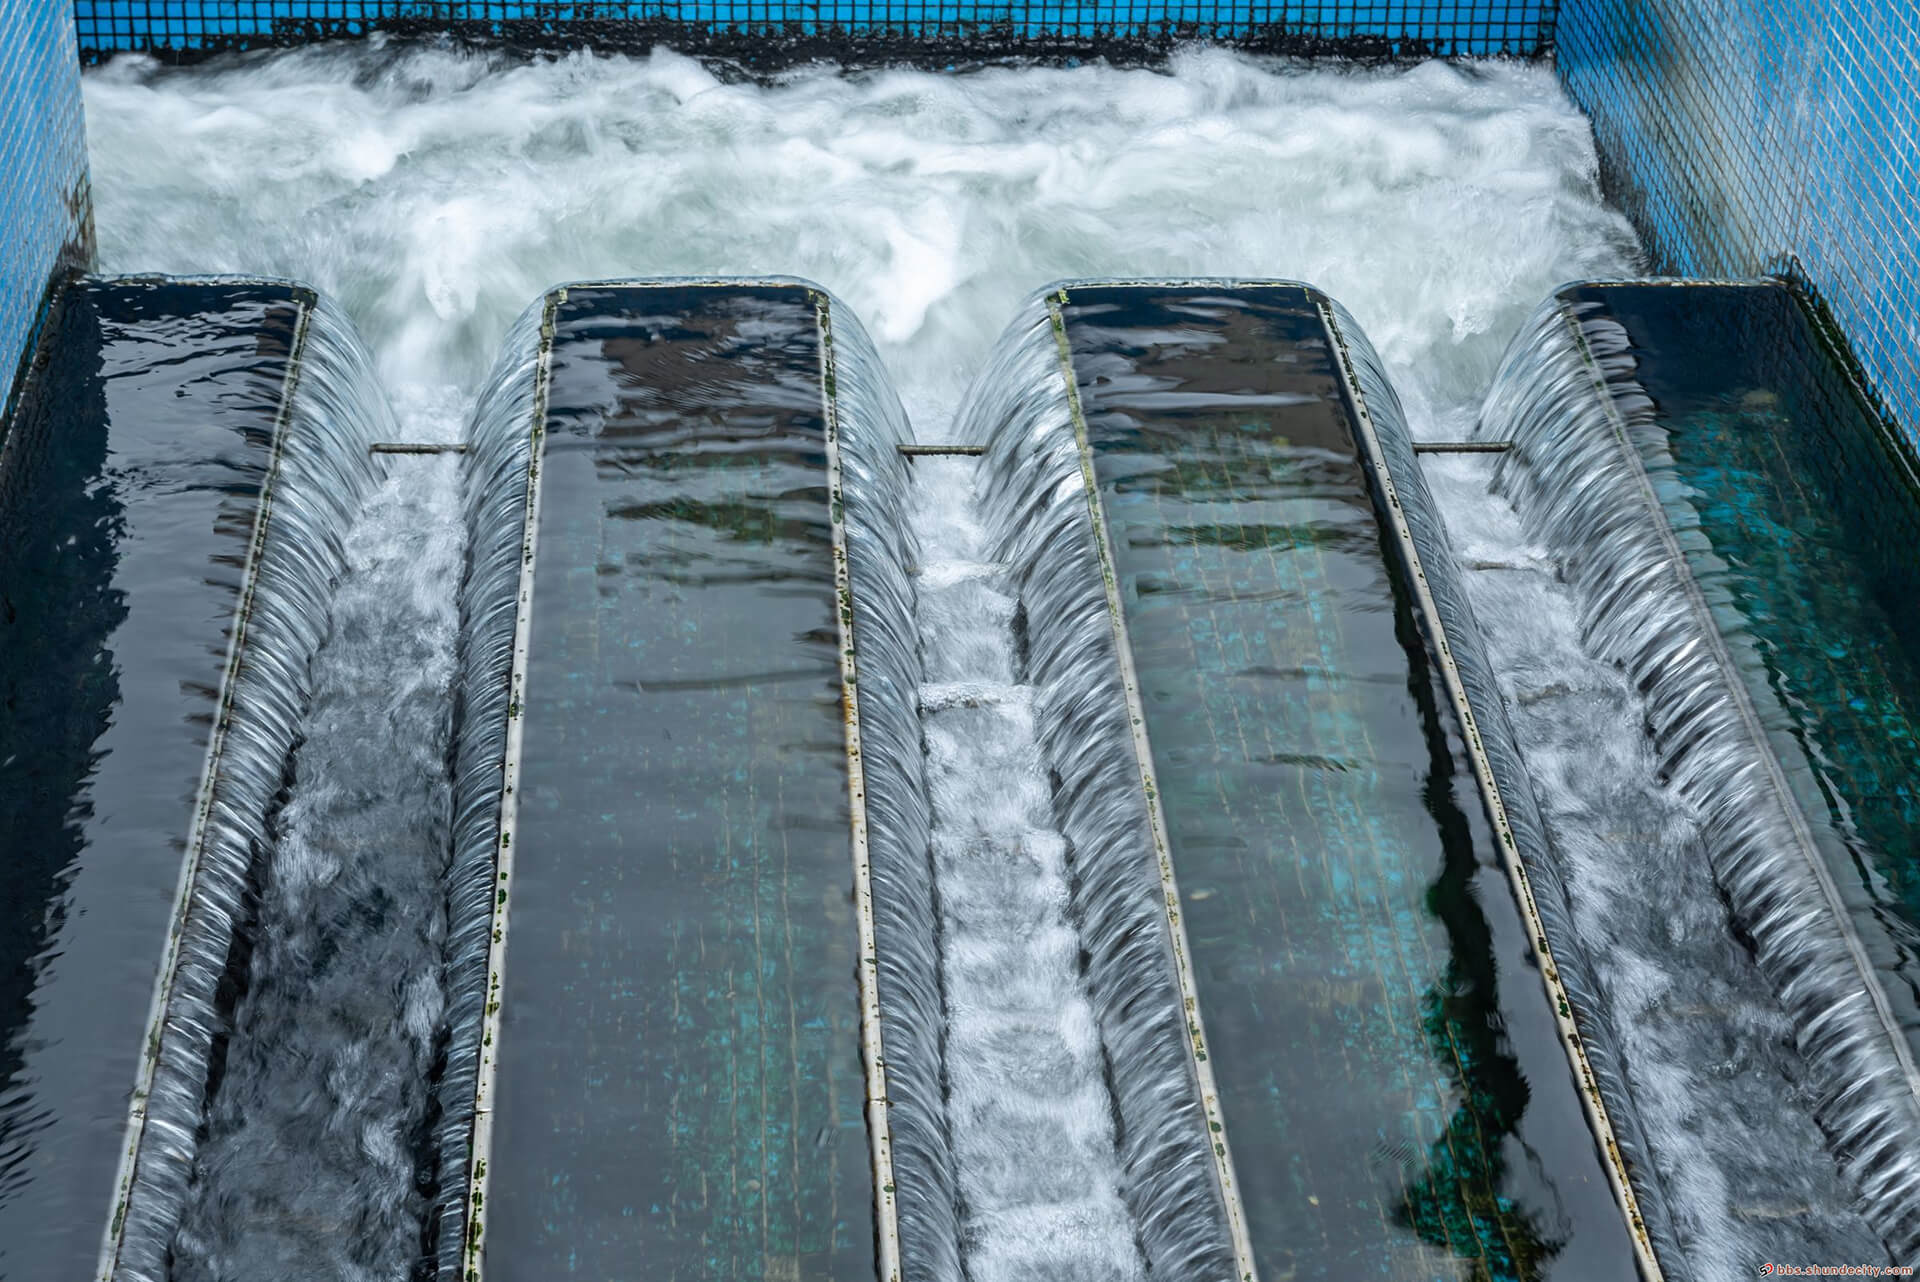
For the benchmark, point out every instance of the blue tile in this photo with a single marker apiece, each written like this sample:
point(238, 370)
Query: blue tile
point(1450, 27)
point(45, 208)
point(1748, 136)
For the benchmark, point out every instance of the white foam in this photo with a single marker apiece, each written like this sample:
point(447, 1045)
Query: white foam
point(435, 193)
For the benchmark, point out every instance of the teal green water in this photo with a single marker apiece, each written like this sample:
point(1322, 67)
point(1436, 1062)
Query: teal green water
point(1391, 1087)
point(1801, 520)
point(679, 1086)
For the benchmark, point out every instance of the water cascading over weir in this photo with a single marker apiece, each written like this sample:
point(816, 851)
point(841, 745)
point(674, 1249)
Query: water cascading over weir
point(664, 1050)
point(733, 634)
point(177, 482)
point(1738, 531)
point(1201, 925)
point(1300, 674)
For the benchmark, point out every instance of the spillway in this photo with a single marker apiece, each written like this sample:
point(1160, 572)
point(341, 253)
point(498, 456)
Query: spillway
point(1156, 721)
point(1101, 852)
point(1036, 982)
point(1684, 443)
point(1279, 612)
point(668, 1061)
point(178, 481)
point(1067, 1019)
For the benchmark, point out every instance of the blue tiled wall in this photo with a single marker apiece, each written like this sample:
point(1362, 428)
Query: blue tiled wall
point(1451, 27)
point(45, 213)
point(1763, 135)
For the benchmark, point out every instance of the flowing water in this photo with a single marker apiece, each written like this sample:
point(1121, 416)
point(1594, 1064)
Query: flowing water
point(188, 446)
point(310, 1161)
point(435, 193)
point(1024, 1064)
point(1638, 611)
point(237, 1019)
point(1704, 1046)
point(1033, 503)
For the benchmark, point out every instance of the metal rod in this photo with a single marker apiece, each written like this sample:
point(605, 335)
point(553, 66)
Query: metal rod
point(872, 1043)
point(965, 451)
point(1462, 447)
point(413, 447)
point(473, 1227)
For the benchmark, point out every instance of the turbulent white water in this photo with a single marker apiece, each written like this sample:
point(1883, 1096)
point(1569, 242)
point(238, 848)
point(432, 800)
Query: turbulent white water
point(435, 193)
point(1706, 1047)
point(310, 1164)
point(1023, 1061)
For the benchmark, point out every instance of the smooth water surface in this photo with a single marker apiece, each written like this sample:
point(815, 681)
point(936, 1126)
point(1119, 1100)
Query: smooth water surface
point(128, 492)
point(679, 1075)
point(1341, 890)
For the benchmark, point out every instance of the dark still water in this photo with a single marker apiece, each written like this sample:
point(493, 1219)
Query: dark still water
point(128, 489)
point(1397, 1102)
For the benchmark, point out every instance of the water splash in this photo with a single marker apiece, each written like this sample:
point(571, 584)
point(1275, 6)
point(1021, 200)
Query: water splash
point(501, 443)
point(1705, 1051)
point(1566, 395)
point(1029, 1111)
point(1042, 1107)
point(1035, 515)
point(323, 471)
point(311, 1158)
point(433, 191)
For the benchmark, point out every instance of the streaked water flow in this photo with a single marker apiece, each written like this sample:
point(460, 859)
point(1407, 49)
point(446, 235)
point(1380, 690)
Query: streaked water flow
point(1704, 1048)
point(263, 988)
point(1639, 611)
point(1024, 1063)
point(310, 1165)
point(436, 192)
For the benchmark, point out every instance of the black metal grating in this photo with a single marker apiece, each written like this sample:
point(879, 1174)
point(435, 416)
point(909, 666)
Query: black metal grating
point(772, 32)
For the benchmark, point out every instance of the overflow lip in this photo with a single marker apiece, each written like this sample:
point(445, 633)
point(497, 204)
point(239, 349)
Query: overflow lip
point(1372, 459)
point(873, 1054)
point(1199, 1059)
point(1374, 462)
point(304, 300)
point(481, 1144)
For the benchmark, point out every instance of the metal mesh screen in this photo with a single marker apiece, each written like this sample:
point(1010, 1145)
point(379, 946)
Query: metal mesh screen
point(1749, 136)
point(773, 31)
point(44, 206)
